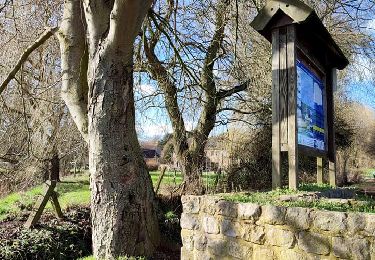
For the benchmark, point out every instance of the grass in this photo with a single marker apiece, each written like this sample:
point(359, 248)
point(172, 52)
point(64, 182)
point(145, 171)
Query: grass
point(120, 258)
point(362, 203)
point(175, 178)
point(74, 190)
point(369, 173)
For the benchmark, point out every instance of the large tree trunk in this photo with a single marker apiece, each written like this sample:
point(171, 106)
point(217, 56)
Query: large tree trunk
point(123, 218)
point(191, 164)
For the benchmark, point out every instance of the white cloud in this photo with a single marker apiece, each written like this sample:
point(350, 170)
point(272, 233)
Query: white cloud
point(146, 89)
point(154, 130)
point(371, 24)
point(189, 125)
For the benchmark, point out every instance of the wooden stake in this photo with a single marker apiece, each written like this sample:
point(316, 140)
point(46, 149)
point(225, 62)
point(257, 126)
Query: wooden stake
point(292, 108)
point(276, 166)
point(319, 170)
point(40, 205)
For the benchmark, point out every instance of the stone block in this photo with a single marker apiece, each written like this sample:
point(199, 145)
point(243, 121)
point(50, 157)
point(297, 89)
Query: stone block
point(230, 228)
point(227, 208)
point(313, 243)
point(273, 215)
point(209, 204)
point(334, 222)
point(190, 204)
point(217, 246)
point(186, 254)
point(261, 252)
point(356, 222)
point(351, 248)
point(210, 225)
point(253, 233)
point(291, 254)
point(340, 247)
point(249, 211)
point(189, 221)
point(238, 250)
point(279, 237)
point(200, 242)
point(360, 248)
point(199, 255)
point(298, 218)
point(370, 225)
point(187, 237)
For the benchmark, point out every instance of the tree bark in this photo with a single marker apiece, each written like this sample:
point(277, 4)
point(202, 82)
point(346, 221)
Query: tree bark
point(124, 221)
point(74, 63)
point(123, 216)
point(101, 100)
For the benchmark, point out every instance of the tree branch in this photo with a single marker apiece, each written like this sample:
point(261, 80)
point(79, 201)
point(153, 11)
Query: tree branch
point(226, 93)
point(42, 38)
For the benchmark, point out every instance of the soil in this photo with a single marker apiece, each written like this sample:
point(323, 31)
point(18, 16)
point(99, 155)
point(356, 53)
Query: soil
point(12, 231)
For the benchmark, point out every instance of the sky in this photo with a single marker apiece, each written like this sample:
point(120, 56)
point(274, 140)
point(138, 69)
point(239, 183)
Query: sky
point(153, 123)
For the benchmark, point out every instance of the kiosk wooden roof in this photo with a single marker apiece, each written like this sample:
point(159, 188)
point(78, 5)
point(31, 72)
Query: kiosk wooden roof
point(277, 13)
point(298, 36)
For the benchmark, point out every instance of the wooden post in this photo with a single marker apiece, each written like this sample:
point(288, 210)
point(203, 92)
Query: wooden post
point(41, 204)
point(276, 166)
point(162, 171)
point(332, 83)
point(56, 205)
point(332, 174)
point(319, 170)
point(292, 108)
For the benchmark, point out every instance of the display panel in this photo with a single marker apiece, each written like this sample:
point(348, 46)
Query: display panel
point(310, 108)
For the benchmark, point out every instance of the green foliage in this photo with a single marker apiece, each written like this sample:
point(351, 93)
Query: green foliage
point(170, 215)
point(361, 204)
point(119, 258)
point(53, 240)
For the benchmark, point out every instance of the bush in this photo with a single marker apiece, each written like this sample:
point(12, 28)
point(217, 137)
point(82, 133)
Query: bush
point(252, 167)
point(152, 165)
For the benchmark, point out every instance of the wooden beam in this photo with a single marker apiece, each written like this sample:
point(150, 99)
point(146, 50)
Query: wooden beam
point(161, 175)
point(40, 205)
point(331, 86)
point(292, 108)
point(283, 74)
point(332, 174)
point(56, 205)
point(319, 170)
point(276, 165)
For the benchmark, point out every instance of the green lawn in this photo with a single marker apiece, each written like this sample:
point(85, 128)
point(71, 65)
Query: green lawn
point(72, 191)
point(369, 173)
point(75, 191)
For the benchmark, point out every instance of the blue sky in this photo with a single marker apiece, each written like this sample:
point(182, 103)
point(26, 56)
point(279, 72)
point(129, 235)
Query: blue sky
point(359, 86)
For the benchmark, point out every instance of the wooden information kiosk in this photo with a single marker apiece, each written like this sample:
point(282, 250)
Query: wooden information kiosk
point(304, 63)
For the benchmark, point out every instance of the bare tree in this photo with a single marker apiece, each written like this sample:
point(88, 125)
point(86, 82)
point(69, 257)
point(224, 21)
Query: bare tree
point(207, 95)
point(101, 100)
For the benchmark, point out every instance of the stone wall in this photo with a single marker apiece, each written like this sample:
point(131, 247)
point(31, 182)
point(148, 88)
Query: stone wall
point(213, 228)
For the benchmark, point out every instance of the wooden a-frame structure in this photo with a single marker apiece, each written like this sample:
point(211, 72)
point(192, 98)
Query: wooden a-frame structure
point(298, 35)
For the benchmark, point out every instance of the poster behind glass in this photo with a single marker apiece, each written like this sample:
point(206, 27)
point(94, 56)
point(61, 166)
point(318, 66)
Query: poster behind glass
point(310, 111)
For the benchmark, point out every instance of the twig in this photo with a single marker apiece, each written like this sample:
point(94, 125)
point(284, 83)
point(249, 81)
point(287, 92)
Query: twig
point(42, 38)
